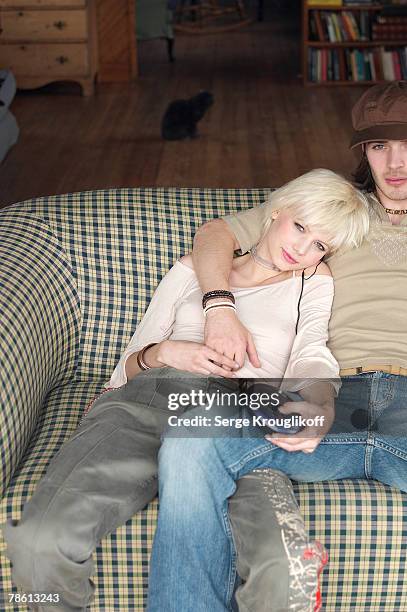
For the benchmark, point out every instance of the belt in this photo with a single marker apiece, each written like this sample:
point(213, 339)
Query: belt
point(388, 369)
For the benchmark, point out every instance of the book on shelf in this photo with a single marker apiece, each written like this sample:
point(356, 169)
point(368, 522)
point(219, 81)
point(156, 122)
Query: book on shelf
point(327, 3)
point(319, 25)
point(330, 28)
point(396, 65)
point(387, 63)
point(348, 27)
point(355, 26)
point(358, 2)
point(372, 65)
point(336, 27)
point(365, 25)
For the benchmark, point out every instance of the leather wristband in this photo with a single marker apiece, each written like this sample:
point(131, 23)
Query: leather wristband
point(217, 293)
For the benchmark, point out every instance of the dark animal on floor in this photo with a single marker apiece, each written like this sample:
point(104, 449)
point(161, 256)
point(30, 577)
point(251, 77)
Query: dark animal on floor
point(181, 117)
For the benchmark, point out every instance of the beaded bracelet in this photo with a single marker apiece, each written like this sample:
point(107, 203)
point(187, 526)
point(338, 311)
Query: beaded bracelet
point(140, 357)
point(217, 293)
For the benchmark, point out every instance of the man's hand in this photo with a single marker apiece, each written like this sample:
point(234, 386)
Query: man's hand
point(308, 439)
point(195, 357)
point(226, 335)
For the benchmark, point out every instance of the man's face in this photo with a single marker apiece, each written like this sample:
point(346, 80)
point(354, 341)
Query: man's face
point(388, 163)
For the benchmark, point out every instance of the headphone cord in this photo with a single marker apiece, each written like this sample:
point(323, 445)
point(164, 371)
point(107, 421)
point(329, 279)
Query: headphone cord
point(303, 279)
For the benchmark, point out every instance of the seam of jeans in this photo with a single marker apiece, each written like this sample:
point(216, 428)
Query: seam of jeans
point(390, 449)
point(335, 441)
point(232, 568)
point(369, 457)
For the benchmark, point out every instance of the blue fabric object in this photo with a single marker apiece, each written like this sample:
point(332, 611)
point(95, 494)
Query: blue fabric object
point(193, 521)
point(7, 90)
point(8, 133)
point(153, 19)
point(8, 125)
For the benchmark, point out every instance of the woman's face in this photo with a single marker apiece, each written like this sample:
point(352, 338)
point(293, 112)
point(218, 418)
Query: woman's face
point(292, 245)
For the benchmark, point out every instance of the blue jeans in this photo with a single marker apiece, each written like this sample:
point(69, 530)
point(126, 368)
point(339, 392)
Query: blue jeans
point(193, 564)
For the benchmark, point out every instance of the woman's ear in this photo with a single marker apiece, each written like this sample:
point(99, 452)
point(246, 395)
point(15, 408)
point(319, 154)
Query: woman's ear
point(275, 214)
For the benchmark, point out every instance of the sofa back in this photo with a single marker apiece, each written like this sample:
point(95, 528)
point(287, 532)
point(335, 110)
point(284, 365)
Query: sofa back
point(118, 244)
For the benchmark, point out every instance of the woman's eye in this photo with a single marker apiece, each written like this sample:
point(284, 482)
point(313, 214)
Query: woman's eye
point(378, 147)
point(320, 246)
point(299, 226)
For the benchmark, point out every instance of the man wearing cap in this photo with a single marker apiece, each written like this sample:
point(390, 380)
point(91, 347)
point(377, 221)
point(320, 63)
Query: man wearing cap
point(368, 336)
point(369, 273)
point(369, 314)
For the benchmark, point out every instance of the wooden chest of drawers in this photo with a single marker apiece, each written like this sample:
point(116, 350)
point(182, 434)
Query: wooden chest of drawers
point(49, 40)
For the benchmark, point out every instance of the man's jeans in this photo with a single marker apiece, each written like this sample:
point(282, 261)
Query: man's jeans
point(193, 564)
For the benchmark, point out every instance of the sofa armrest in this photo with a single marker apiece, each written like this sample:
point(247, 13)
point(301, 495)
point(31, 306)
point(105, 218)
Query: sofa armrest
point(39, 328)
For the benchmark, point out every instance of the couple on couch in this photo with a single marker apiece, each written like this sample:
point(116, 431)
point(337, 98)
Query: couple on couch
point(278, 311)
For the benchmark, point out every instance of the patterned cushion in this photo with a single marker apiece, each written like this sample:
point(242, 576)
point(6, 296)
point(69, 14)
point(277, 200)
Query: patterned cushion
point(76, 274)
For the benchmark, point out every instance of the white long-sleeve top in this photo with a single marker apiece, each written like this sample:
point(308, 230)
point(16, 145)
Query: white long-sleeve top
point(268, 311)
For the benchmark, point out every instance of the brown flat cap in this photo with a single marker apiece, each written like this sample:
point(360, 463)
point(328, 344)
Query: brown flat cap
point(380, 114)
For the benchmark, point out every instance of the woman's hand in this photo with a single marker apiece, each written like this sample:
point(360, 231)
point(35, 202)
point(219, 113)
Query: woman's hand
point(308, 439)
point(195, 357)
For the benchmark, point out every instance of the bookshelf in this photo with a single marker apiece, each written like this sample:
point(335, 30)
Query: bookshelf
point(353, 44)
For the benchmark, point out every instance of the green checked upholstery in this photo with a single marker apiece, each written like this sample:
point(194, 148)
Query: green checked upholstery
point(76, 274)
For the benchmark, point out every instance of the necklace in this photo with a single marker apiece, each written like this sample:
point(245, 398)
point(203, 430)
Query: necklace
point(396, 211)
point(263, 262)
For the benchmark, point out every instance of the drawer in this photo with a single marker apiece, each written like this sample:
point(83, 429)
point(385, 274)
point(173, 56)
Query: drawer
point(43, 25)
point(53, 60)
point(40, 3)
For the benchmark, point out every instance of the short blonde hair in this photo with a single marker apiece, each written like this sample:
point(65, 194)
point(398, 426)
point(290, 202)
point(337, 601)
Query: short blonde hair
point(326, 201)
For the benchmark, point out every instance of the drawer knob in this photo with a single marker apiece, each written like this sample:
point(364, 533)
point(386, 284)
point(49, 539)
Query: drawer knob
point(60, 25)
point(62, 59)
point(20, 14)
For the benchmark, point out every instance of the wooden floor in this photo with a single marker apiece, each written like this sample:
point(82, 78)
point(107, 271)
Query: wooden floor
point(264, 128)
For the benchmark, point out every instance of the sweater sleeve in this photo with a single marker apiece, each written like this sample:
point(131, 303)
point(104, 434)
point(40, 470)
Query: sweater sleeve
point(158, 320)
point(310, 359)
point(247, 225)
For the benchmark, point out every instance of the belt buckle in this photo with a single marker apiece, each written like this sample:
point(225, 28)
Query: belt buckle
point(359, 370)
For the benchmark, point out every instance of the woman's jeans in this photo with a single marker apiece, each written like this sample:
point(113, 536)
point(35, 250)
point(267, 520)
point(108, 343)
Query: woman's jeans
point(98, 480)
point(193, 564)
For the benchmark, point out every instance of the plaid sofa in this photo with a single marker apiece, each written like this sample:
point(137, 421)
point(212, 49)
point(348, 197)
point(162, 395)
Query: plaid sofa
point(76, 274)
